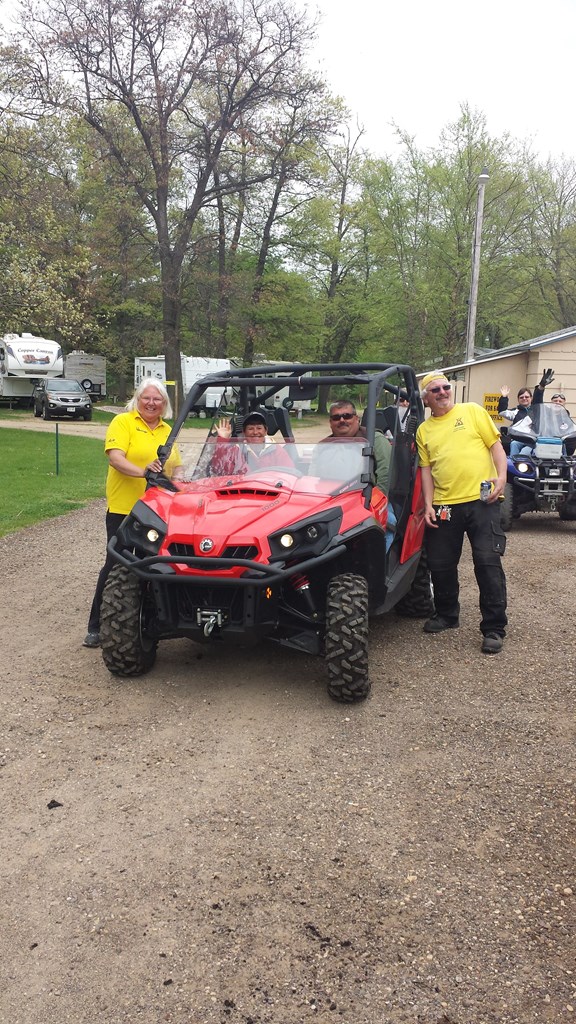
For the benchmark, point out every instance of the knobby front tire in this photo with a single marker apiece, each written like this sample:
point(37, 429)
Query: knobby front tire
point(126, 649)
point(346, 639)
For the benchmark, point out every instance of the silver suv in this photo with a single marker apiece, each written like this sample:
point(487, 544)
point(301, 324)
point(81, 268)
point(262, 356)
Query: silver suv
point(59, 397)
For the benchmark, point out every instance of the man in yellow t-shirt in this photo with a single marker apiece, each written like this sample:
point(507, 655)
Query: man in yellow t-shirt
point(459, 447)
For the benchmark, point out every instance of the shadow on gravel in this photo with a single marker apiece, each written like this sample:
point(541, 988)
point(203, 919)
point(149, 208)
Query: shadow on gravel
point(541, 522)
point(195, 672)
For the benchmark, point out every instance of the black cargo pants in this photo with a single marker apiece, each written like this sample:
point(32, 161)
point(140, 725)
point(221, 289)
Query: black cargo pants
point(480, 522)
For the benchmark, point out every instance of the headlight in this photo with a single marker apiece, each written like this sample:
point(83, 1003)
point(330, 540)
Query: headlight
point(143, 530)
point(523, 467)
point(306, 538)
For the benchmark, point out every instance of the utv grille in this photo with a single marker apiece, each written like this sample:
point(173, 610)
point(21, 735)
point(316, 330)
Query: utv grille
point(234, 551)
point(181, 549)
point(252, 492)
point(241, 551)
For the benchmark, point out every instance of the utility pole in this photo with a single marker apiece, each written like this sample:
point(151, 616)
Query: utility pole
point(476, 245)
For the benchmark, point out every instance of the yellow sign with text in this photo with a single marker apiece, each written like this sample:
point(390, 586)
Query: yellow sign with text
point(491, 406)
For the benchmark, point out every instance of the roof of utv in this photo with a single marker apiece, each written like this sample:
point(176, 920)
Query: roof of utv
point(254, 385)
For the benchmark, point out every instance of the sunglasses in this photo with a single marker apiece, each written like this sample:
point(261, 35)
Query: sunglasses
point(343, 416)
point(563, 397)
point(443, 387)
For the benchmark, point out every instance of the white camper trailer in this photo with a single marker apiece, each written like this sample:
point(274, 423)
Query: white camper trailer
point(193, 368)
point(24, 360)
point(282, 398)
point(89, 370)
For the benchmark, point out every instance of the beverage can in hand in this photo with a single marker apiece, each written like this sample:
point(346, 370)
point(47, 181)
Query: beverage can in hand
point(485, 490)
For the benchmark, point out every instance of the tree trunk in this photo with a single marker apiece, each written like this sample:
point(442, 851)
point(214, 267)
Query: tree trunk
point(227, 259)
point(252, 330)
point(171, 313)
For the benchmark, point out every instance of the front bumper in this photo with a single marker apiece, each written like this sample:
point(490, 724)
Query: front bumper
point(207, 604)
point(548, 485)
point(69, 408)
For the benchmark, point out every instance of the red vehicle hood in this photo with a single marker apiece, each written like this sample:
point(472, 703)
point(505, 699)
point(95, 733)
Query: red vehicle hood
point(229, 511)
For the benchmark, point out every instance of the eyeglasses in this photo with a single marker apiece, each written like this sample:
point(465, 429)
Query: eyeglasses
point(343, 416)
point(442, 387)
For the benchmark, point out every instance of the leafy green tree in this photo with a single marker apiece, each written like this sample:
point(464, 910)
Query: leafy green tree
point(248, 230)
point(166, 88)
point(300, 130)
point(45, 262)
point(421, 213)
point(329, 242)
point(552, 238)
point(125, 278)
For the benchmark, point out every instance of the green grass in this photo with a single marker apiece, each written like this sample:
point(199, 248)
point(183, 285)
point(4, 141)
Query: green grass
point(32, 490)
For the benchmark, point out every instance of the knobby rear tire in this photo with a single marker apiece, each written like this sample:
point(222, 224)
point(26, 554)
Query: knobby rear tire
point(418, 603)
point(346, 639)
point(126, 650)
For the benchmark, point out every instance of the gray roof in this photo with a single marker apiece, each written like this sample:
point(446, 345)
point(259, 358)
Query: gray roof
point(494, 354)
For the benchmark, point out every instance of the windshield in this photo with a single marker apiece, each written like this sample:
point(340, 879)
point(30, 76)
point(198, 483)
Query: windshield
point(546, 420)
point(59, 384)
point(308, 467)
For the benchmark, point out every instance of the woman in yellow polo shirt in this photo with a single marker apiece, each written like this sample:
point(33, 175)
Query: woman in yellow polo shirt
point(132, 442)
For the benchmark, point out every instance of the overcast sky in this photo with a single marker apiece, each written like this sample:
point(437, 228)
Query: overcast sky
point(415, 61)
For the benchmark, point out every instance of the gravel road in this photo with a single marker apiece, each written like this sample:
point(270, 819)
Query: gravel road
point(219, 842)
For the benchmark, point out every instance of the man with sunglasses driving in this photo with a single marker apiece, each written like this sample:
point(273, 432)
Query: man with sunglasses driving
point(345, 425)
point(459, 447)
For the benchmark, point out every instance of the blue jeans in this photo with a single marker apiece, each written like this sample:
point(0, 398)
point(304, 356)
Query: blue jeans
point(480, 522)
point(391, 526)
point(521, 448)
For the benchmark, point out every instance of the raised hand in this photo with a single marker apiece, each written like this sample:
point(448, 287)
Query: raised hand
point(224, 428)
point(547, 378)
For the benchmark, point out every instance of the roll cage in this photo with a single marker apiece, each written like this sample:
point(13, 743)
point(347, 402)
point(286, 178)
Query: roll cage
point(252, 387)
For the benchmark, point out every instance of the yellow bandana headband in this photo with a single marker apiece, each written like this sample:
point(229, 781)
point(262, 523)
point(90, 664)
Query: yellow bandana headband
point(432, 376)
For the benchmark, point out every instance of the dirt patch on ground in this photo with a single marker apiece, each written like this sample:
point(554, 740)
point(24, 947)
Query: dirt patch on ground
point(75, 427)
point(219, 842)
